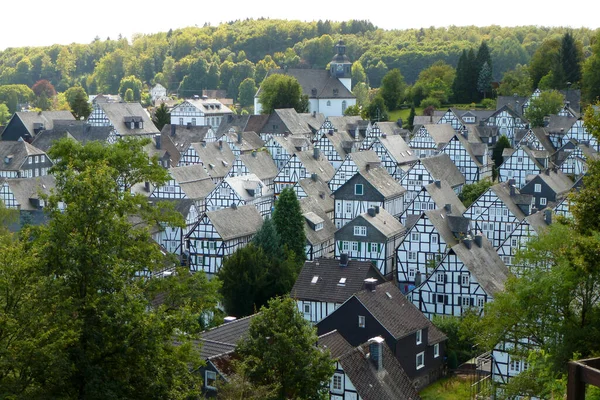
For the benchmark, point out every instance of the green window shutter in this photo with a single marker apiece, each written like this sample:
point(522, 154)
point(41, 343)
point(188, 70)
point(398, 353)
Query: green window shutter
point(379, 247)
point(359, 243)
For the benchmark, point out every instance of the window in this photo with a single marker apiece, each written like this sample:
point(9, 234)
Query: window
point(466, 301)
point(37, 159)
point(440, 277)
point(337, 385)
point(348, 207)
point(440, 299)
point(514, 242)
point(480, 302)
point(519, 160)
point(537, 187)
point(307, 309)
point(412, 255)
point(464, 279)
point(434, 239)
point(436, 350)
point(411, 273)
point(373, 247)
point(358, 189)
point(360, 231)
point(415, 236)
point(543, 201)
point(345, 246)
point(344, 104)
point(30, 160)
point(419, 336)
point(361, 321)
point(193, 121)
point(354, 246)
point(420, 360)
point(180, 121)
point(328, 103)
point(210, 378)
point(515, 366)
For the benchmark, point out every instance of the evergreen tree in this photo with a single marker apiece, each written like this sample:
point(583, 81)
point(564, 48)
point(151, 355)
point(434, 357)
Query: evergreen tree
point(484, 80)
point(162, 116)
point(472, 77)
point(289, 223)
point(501, 144)
point(483, 57)
point(460, 84)
point(411, 118)
point(571, 58)
point(268, 239)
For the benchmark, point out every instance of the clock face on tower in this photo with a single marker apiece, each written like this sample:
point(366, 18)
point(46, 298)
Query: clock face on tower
point(339, 69)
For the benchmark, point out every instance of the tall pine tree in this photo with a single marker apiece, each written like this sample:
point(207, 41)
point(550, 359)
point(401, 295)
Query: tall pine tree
point(570, 60)
point(483, 57)
point(289, 223)
point(459, 87)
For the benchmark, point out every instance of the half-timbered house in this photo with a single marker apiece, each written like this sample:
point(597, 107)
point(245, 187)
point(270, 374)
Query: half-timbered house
point(556, 127)
point(428, 140)
point(579, 132)
point(80, 131)
point(176, 140)
point(318, 228)
point(171, 237)
point(384, 311)
point(126, 119)
point(241, 190)
point(368, 371)
point(351, 165)
point(302, 165)
point(428, 239)
point(258, 163)
point(242, 142)
point(19, 159)
point(202, 111)
point(26, 196)
point(218, 234)
point(395, 155)
point(286, 121)
point(435, 195)
point(336, 139)
point(316, 189)
point(508, 122)
point(326, 283)
point(189, 182)
point(216, 157)
point(470, 156)
point(547, 187)
point(521, 163)
point(451, 118)
point(573, 158)
point(283, 147)
point(468, 276)
point(498, 210)
point(369, 187)
point(372, 236)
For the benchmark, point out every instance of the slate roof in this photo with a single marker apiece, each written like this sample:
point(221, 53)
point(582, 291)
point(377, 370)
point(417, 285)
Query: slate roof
point(327, 287)
point(118, 112)
point(294, 123)
point(47, 118)
point(314, 120)
point(256, 123)
point(383, 182)
point(216, 157)
point(261, 164)
point(559, 125)
point(77, 130)
point(209, 106)
point(390, 128)
point(193, 180)
point(396, 313)
point(175, 139)
point(558, 181)
point(292, 143)
point(426, 119)
point(449, 226)
point(342, 142)
point(319, 79)
point(241, 184)
point(250, 140)
point(390, 383)
point(502, 190)
point(440, 133)
point(484, 264)
point(231, 223)
point(514, 102)
point(442, 168)
point(384, 222)
point(320, 165)
point(443, 195)
point(16, 153)
point(224, 337)
point(319, 192)
point(399, 149)
point(25, 189)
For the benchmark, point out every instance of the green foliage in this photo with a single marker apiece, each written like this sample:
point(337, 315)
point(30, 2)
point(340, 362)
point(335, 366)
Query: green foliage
point(282, 91)
point(501, 144)
point(411, 118)
point(246, 92)
point(78, 102)
point(590, 82)
point(451, 388)
point(516, 81)
point(352, 110)
point(358, 74)
point(4, 114)
point(392, 89)
point(133, 83)
point(281, 350)
point(289, 223)
point(484, 80)
point(431, 102)
point(571, 57)
point(471, 192)
point(548, 103)
point(376, 110)
point(161, 117)
point(461, 341)
point(13, 95)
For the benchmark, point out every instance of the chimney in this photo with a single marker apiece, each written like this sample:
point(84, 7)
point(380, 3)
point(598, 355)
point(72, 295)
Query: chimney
point(314, 177)
point(253, 153)
point(376, 209)
point(316, 153)
point(547, 171)
point(234, 206)
point(371, 211)
point(239, 135)
point(314, 114)
point(548, 216)
point(418, 279)
point(376, 351)
point(370, 284)
point(368, 167)
point(173, 129)
point(448, 208)
point(286, 133)
point(147, 186)
point(478, 240)
point(189, 125)
point(534, 210)
point(220, 144)
point(203, 143)
point(511, 190)
point(438, 184)
point(431, 118)
point(344, 260)
point(157, 141)
point(468, 241)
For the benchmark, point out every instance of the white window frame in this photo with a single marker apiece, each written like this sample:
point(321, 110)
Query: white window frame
point(543, 201)
point(420, 360)
point(412, 255)
point(213, 377)
point(360, 230)
point(415, 237)
point(465, 280)
point(436, 350)
point(537, 188)
point(345, 245)
point(354, 246)
point(356, 191)
point(361, 321)
point(339, 387)
point(306, 308)
point(419, 336)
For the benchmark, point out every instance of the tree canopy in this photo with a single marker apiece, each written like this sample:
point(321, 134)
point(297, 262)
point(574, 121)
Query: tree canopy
point(282, 91)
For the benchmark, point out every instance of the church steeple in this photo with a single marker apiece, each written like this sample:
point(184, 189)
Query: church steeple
point(340, 66)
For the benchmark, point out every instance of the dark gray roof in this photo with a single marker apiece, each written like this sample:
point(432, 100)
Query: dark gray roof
point(211, 348)
point(328, 273)
point(484, 263)
point(514, 102)
point(319, 79)
point(558, 181)
point(77, 130)
point(236, 122)
point(25, 189)
point(224, 337)
point(440, 133)
point(313, 120)
point(442, 168)
point(383, 182)
point(216, 157)
point(175, 139)
point(502, 190)
point(250, 140)
point(397, 315)
point(384, 222)
point(451, 228)
point(46, 118)
point(320, 165)
point(559, 125)
point(390, 128)
point(311, 208)
point(319, 192)
point(16, 153)
point(236, 222)
point(444, 194)
point(390, 383)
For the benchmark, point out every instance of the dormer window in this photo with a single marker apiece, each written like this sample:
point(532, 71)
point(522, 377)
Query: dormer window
point(319, 226)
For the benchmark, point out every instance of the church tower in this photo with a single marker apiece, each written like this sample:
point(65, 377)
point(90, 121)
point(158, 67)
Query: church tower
point(340, 66)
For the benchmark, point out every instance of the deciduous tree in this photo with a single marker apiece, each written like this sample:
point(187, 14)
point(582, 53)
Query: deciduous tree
point(392, 89)
point(282, 91)
point(548, 103)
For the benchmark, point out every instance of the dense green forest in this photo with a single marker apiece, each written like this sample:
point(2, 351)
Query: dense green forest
point(191, 59)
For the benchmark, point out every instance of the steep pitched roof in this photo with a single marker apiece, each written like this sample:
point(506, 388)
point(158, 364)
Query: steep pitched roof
point(319, 192)
point(320, 280)
point(399, 149)
point(224, 337)
point(316, 165)
point(382, 181)
point(26, 189)
point(13, 154)
point(321, 80)
point(451, 227)
point(236, 222)
point(45, 118)
point(119, 113)
point(441, 193)
point(442, 168)
point(77, 130)
point(384, 222)
point(216, 157)
point(440, 133)
point(312, 210)
point(390, 383)
point(397, 315)
point(261, 164)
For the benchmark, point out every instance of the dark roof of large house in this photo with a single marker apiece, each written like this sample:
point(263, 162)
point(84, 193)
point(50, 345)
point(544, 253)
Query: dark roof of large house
point(324, 85)
point(45, 118)
point(176, 139)
point(320, 280)
point(390, 383)
point(13, 154)
point(396, 313)
point(77, 130)
point(119, 113)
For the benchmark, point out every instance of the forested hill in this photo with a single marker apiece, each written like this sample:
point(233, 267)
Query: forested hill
point(221, 57)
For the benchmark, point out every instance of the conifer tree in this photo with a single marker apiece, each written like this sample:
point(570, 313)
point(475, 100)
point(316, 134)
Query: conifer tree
point(289, 223)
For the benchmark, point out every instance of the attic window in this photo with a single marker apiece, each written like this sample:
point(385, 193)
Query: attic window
point(314, 279)
point(335, 92)
point(388, 295)
point(342, 282)
point(318, 226)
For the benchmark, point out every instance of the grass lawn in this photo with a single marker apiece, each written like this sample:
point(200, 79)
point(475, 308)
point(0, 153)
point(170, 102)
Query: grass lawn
point(394, 115)
point(452, 388)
